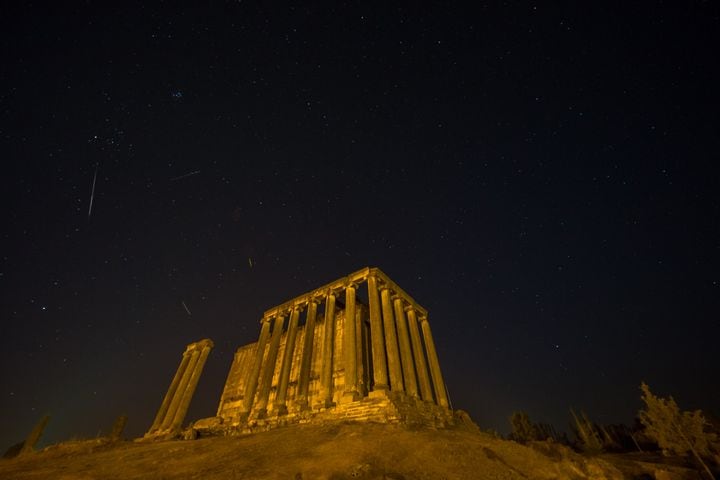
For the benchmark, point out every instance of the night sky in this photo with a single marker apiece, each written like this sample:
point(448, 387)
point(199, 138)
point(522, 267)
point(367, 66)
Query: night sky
point(542, 178)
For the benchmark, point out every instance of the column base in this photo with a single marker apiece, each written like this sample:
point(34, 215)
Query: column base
point(382, 393)
point(323, 404)
point(349, 397)
point(281, 410)
point(259, 414)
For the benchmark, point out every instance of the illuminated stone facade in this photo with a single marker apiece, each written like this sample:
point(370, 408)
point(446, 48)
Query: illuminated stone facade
point(311, 364)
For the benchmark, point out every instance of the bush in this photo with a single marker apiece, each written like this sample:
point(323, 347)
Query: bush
point(523, 430)
point(588, 436)
point(676, 432)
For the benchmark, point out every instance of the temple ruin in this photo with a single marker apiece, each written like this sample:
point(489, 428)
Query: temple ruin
point(311, 364)
point(174, 407)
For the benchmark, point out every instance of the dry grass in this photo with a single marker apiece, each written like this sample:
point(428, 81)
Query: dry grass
point(337, 452)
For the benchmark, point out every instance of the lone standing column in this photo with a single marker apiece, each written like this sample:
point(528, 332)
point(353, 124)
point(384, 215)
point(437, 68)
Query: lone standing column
point(288, 356)
point(172, 390)
point(173, 408)
point(393, 354)
point(304, 376)
point(326, 387)
point(204, 347)
point(380, 376)
point(350, 345)
point(408, 365)
point(420, 364)
point(252, 380)
point(269, 367)
point(437, 378)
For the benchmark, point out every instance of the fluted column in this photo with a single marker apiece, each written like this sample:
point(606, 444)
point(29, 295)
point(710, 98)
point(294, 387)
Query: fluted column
point(269, 367)
point(171, 390)
point(326, 387)
point(307, 352)
point(254, 375)
point(437, 378)
point(380, 376)
point(420, 364)
point(175, 403)
point(287, 362)
point(408, 364)
point(350, 344)
point(204, 347)
point(391, 344)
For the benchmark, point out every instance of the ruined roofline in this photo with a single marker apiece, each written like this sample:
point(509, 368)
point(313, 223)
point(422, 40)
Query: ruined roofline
point(357, 277)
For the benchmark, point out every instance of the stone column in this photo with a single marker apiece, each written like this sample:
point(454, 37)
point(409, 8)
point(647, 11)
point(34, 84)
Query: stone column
point(288, 356)
point(306, 362)
point(326, 386)
point(252, 380)
point(380, 375)
point(29, 444)
point(269, 367)
point(408, 364)
point(420, 364)
point(437, 378)
point(204, 348)
point(391, 344)
point(182, 386)
point(350, 345)
point(171, 390)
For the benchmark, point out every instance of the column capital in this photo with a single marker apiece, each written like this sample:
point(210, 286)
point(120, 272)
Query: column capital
point(199, 345)
point(409, 308)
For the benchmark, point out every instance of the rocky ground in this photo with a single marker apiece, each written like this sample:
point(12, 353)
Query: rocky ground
point(338, 451)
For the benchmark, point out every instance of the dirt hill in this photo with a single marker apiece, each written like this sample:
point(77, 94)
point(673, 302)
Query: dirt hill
point(338, 451)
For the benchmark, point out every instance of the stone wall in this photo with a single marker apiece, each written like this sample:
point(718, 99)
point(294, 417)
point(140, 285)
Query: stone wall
point(231, 401)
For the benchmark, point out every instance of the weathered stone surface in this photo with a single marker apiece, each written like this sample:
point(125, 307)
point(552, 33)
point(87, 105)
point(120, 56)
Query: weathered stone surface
point(280, 396)
point(205, 423)
point(175, 404)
